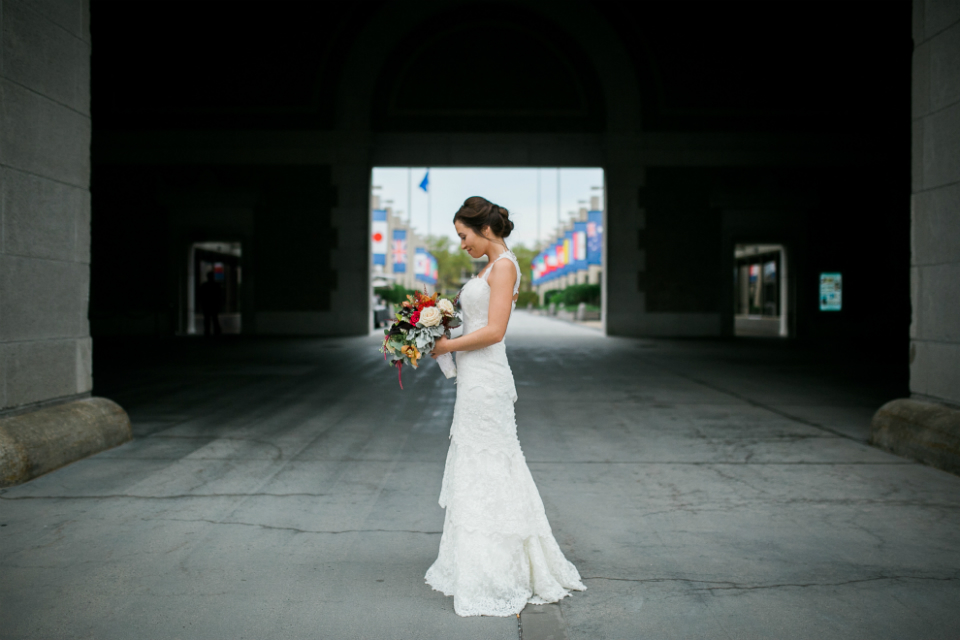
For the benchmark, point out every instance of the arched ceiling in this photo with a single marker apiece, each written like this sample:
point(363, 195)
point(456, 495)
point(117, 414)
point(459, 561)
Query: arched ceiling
point(522, 65)
point(489, 67)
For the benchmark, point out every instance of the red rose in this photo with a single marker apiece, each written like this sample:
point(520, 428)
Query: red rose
point(415, 317)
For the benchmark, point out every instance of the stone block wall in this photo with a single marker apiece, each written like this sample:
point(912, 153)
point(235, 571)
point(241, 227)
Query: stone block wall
point(935, 203)
point(45, 347)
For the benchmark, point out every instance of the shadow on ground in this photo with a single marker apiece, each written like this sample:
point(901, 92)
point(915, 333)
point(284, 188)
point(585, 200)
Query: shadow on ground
point(288, 487)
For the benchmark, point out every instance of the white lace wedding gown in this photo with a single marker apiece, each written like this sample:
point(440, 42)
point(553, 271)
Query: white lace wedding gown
point(497, 552)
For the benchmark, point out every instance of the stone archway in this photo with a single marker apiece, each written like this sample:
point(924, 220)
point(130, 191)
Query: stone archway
point(382, 126)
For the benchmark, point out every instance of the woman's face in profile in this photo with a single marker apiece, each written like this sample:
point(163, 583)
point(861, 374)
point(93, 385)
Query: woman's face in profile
point(470, 240)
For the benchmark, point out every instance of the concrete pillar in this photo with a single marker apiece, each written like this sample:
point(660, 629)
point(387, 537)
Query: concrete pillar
point(926, 426)
point(350, 302)
point(45, 347)
point(935, 203)
point(623, 302)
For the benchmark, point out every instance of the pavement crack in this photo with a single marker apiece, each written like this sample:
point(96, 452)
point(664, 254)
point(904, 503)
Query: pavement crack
point(296, 529)
point(767, 407)
point(656, 580)
point(706, 463)
point(739, 587)
point(724, 585)
point(112, 496)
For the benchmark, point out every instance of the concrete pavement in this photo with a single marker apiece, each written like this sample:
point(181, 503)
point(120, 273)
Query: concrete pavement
point(287, 489)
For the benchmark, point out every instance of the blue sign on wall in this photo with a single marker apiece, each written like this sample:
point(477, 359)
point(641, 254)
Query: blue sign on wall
point(831, 289)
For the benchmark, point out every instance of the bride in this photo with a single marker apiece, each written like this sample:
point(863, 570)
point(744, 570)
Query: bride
point(497, 552)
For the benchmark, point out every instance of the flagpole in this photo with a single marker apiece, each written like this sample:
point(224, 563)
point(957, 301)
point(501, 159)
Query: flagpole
point(558, 199)
point(538, 209)
point(429, 202)
point(409, 196)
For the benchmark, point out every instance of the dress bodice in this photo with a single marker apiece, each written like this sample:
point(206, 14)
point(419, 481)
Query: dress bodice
point(475, 296)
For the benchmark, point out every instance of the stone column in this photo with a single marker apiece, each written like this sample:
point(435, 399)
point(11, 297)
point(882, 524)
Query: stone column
point(927, 426)
point(45, 346)
point(935, 203)
point(623, 302)
point(351, 219)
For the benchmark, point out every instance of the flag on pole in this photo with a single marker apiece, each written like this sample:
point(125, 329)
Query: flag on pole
point(425, 266)
point(399, 250)
point(580, 245)
point(379, 236)
point(594, 237)
point(426, 181)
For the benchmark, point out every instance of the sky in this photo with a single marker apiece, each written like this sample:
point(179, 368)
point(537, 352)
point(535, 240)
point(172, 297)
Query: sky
point(513, 189)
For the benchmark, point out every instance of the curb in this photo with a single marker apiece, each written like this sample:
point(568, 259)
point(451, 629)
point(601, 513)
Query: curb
point(35, 443)
point(924, 431)
point(574, 323)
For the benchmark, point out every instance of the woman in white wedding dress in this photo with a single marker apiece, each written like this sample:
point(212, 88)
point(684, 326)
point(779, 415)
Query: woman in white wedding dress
point(497, 552)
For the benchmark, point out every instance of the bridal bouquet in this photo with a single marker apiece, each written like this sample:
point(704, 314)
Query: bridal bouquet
point(421, 320)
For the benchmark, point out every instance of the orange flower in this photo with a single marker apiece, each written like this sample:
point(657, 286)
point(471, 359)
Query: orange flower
point(411, 352)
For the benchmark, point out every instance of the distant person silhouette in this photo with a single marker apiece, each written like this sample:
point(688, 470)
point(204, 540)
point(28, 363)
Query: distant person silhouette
point(210, 300)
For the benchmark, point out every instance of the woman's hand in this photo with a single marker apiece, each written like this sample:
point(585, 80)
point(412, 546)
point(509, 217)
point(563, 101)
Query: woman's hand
point(441, 346)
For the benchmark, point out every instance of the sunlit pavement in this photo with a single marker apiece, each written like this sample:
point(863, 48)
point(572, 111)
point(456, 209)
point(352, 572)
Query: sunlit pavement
point(286, 488)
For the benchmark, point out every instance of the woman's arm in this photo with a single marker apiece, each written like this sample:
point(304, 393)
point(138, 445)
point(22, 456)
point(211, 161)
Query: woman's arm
point(501, 281)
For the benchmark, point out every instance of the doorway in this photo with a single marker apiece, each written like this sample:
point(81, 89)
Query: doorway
point(217, 262)
point(760, 290)
point(558, 215)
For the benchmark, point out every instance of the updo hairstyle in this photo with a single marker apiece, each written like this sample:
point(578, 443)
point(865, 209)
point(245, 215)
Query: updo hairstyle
point(478, 212)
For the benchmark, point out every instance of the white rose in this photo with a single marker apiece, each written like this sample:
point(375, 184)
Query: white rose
point(430, 317)
point(446, 307)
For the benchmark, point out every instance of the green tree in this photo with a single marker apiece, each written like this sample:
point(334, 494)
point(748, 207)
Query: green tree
point(395, 294)
point(525, 257)
point(452, 263)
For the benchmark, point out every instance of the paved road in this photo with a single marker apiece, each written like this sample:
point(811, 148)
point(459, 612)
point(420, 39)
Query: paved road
point(287, 489)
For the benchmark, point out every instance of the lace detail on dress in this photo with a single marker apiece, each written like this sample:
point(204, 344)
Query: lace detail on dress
point(516, 285)
point(497, 552)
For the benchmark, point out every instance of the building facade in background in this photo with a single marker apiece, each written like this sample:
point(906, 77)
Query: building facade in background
point(398, 254)
point(574, 255)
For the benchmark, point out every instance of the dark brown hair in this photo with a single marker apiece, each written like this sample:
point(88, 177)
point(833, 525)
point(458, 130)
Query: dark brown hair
point(478, 212)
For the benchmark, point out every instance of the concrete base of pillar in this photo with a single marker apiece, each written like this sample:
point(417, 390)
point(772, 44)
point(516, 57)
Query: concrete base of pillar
point(925, 431)
point(40, 441)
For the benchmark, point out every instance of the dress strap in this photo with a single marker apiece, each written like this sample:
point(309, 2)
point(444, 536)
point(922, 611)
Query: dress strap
point(506, 254)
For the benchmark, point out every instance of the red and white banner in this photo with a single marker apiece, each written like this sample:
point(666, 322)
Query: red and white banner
point(379, 236)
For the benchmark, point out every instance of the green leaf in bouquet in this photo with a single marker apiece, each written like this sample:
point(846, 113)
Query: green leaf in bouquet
point(424, 341)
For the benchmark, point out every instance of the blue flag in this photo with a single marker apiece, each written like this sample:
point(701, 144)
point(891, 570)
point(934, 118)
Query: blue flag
point(426, 180)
